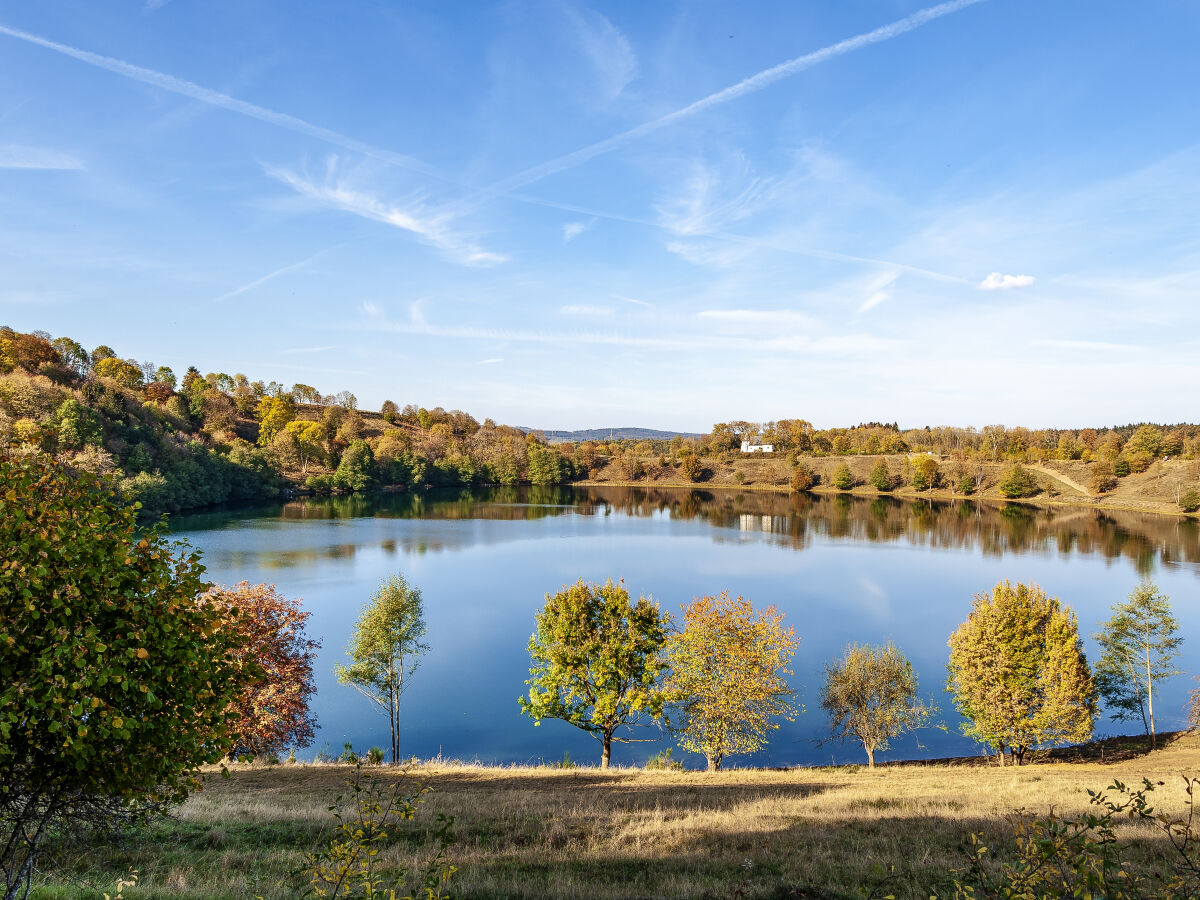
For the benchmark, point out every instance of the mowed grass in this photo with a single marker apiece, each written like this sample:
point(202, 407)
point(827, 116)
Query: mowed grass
point(586, 833)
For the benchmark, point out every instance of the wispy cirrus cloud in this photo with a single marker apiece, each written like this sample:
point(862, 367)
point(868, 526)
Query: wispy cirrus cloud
point(606, 49)
point(491, 361)
point(223, 101)
point(742, 88)
point(998, 281)
point(17, 156)
point(434, 228)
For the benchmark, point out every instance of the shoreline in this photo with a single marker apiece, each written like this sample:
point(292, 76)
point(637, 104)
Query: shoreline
point(900, 494)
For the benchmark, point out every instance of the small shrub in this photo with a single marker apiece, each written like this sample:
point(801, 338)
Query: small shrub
point(739, 476)
point(966, 485)
point(375, 756)
point(348, 754)
point(691, 467)
point(1083, 857)
point(348, 865)
point(1189, 501)
point(662, 761)
point(566, 762)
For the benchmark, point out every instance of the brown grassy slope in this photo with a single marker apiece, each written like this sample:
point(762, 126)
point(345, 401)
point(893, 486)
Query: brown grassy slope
point(1154, 490)
point(585, 833)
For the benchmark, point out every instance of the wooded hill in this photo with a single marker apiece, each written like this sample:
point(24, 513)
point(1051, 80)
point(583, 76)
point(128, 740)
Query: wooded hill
point(179, 443)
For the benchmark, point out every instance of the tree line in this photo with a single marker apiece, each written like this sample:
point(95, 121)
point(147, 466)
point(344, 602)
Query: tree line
point(181, 442)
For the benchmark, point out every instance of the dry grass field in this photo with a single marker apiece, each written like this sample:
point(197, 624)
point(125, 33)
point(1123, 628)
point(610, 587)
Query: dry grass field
point(586, 833)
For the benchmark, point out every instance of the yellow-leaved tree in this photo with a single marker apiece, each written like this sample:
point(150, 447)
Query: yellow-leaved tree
point(1018, 673)
point(728, 682)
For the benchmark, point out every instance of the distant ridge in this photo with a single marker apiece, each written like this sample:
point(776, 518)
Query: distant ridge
point(603, 434)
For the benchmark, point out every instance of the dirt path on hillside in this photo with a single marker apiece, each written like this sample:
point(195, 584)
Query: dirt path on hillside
point(1065, 479)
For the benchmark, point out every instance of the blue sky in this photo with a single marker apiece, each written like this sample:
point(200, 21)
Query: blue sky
point(562, 215)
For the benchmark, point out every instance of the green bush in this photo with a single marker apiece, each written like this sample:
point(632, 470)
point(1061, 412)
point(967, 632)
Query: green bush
point(842, 479)
point(1018, 482)
point(966, 485)
point(1189, 501)
point(1084, 857)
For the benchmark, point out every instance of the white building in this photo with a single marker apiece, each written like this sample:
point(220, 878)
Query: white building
point(748, 447)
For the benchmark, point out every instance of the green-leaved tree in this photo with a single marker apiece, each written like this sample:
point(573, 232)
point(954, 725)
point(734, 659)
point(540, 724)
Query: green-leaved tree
point(115, 674)
point(871, 696)
point(1018, 673)
point(386, 648)
point(597, 662)
point(1140, 644)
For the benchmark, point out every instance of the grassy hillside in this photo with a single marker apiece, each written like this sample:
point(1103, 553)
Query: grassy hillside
point(1157, 489)
point(583, 833)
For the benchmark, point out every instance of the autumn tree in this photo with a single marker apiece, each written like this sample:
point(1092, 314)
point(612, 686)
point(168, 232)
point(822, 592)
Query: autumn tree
point(803, 478)
point(1018, 673)
point(274, 413)
point(271, 713)
point(1139, 645)
point(597, 662)
point(386, 648)
point(925, 473)
point(870, 694)
point(122, 371)
point(691, 467)
point(728, 682)
point(115, 674)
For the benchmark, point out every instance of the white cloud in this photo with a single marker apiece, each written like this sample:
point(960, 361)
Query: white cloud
point(268, 277)
point(16, 156)
point(573, 230)
point(999, 282)
point(492, 361)
point(880, 290)
point(433, 228)
point(583, 309)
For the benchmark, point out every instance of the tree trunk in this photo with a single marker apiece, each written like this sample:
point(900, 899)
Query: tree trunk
point(1150, 699)
point(714, 762)
point(606, 752)
point(870, 757)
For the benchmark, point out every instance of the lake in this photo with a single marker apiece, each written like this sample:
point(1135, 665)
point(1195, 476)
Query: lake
point(843, 569)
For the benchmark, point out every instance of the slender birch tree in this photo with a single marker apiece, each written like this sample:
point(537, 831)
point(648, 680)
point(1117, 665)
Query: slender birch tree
point(386, 648)
point(1140, 644)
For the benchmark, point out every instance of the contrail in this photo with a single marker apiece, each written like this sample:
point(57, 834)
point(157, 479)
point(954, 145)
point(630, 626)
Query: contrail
point(224, 101)
point(264, 279)
point(746, 86)
point(506, 188)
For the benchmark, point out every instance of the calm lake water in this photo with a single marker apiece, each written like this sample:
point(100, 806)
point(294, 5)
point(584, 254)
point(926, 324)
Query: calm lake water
point(842, 569)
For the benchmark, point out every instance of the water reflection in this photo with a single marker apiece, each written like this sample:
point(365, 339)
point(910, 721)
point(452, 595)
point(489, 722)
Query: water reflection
point(842, 569)
point(793, 519)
